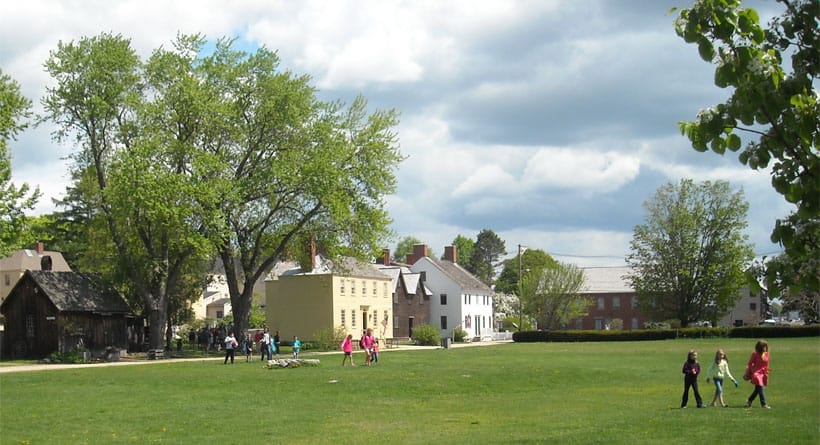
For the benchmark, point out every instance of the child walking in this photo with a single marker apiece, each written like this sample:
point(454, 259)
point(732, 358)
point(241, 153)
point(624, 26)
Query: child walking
point(719, 370)
point(758, 371)
point(691, 369)
point(347, 347)
point(247, 345)
point(296, 346)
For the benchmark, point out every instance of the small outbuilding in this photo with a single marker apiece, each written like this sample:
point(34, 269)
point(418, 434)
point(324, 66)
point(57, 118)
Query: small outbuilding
point(49, 311)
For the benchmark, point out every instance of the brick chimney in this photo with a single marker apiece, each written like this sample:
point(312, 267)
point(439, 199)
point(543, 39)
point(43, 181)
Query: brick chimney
point(39, 247)
point(419, 252)
point(385, 259)
point(451, 254)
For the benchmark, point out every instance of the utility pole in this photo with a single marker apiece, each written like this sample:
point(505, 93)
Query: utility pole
point(520, 303)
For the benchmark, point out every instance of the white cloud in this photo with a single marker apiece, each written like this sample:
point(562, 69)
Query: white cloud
point(593, 171)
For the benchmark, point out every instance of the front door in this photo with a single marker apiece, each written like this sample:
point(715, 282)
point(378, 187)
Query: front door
point(410, 327)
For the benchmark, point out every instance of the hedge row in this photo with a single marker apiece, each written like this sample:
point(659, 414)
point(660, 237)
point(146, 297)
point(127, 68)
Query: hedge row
point(668, 334)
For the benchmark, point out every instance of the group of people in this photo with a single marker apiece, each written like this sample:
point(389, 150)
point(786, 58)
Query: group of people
point(368, 343)
point(267, 345)
point(757, 373)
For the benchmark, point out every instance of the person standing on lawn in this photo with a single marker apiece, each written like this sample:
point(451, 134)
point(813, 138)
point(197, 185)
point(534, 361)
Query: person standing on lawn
point(265, 344)
point(347, 347)
point(691, 369)
point(276, 343)
point(758, 372)
point(296, 346)
point(230, 347)
point(717, 371)
point(247, 346)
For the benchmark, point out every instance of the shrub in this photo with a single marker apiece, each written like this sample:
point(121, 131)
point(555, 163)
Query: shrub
point(328, 339)
point(459, 335)
point(427, 335)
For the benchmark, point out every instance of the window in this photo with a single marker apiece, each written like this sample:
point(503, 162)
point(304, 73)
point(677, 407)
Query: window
point(30, 333)
point(601, 304)
point(616, 302)
point(343, 318)
point(443, 322)
point(353, 318)
point(374, 288)
point(579, 323)
point(634, 302)
point(386, 317)
point(220, 314)
point(385, 290)
point(443, 301)
point(353, 287)
point(634, 323)
point(599, 323)
point(342, 287)
point(375, 316)
point(8, 280)
point(753, 306)
point(364, 288)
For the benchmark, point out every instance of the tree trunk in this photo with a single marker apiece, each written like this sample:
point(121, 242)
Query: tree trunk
point(156, 327)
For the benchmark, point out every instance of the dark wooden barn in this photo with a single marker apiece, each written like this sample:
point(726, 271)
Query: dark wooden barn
point(49, 311)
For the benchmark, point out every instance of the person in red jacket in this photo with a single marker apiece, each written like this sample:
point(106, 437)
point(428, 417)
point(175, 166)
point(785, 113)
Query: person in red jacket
point(691, 370)
point(758, 372)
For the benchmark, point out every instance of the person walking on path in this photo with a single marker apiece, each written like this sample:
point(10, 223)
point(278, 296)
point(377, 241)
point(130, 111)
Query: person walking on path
point(347, 347)
point(276, 343)
point(718, 371)
point(230, 347)
point(296, 346)
point(691, 369)
point(758, 372)
point(367, 344)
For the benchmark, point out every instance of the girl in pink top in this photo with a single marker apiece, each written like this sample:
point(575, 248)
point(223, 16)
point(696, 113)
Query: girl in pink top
point(367, 342)
point(759, 370)
point(347, 347)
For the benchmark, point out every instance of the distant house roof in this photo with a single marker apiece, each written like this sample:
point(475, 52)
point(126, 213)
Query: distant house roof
point(346, 266)
point(220, 302)
point(465, 280)
point(76, 292)
point(601, 280)
point(29, 259)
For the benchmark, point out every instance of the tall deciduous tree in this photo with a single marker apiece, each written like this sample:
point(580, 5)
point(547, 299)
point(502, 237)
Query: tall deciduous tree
point(773, 75)
point(136, 141)
point(464, 247)
point(301, 171)
point(551, 295)
point(689, 258)
point(531, 260)
point(14, 112)
point(487, 251)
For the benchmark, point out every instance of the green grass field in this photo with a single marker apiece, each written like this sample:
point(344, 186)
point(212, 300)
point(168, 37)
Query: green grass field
point(582, 393)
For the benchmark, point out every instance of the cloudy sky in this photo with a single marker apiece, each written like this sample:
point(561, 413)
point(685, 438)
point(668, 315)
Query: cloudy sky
point(549, 122)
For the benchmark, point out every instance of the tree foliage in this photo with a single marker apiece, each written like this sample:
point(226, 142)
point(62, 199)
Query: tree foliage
point(532, 260)
point(194, 155)
point(405, 247)
point(487, 251)
point(551, 295)
point(689, 258)
point(774, 104)
point(464, 247)
point(14, 200)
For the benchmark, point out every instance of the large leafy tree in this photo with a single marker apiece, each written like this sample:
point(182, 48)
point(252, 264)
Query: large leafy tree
point(689, 257)
point(135, 163)
point(531, 260)
point(302, 172)
point(772, 116)
point(552, 295)
point(14, 200)
point(487, 252)
point(405, 247)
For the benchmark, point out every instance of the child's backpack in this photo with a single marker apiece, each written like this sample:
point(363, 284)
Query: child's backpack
point(361, 343)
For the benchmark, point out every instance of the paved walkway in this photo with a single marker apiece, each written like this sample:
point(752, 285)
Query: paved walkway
point(127, 362)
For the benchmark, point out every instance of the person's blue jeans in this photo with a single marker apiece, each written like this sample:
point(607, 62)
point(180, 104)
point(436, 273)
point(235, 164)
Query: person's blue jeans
point(718, 387)
point(759, 391)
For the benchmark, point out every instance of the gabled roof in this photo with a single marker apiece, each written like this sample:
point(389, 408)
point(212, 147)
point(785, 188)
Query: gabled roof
point(76, 292)
point(28, 259)
point(345, 266)
point(465, 280)
point(601, 280)
point(411, 282)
